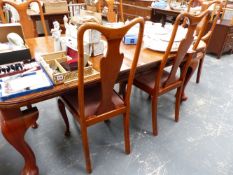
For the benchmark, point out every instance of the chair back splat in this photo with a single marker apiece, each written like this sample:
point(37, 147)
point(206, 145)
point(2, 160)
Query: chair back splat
point(110, 64)
point(25, 20)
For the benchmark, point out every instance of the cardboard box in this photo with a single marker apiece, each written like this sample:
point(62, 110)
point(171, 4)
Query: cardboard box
point(56, 7)
point(12, 55)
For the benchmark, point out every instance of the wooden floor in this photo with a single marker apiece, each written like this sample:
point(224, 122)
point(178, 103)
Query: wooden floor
point(200, 144)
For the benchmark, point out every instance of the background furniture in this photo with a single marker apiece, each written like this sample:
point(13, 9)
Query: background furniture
point(222, 38)
point(51, 17)
point(26, 22)
point(111, 10)
point(164, 15)
point(134, 8)
point(228, 10)
point(3, 19)
point(169, 14)
point(75, 8)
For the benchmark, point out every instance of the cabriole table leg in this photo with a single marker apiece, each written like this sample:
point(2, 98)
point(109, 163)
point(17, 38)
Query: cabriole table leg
point(14, 124)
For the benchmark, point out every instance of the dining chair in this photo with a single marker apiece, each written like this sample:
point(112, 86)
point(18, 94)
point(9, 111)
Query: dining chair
point(75, 8)
point(159, 81)
point(3, 19)
point(120, 9)
point(194, 3)
point(111, 14)
point(100, 102)
point(206, 38)
point(25, 20)
point(26, 23)
point(198, 60)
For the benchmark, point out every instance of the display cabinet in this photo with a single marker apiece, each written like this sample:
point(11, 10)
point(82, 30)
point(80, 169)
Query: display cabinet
point(222, 38)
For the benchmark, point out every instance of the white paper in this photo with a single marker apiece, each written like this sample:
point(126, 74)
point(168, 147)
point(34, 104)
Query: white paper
point(28, 82)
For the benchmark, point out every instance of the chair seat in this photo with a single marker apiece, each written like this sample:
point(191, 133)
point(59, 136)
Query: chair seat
point(92, 98)
point(147, 81)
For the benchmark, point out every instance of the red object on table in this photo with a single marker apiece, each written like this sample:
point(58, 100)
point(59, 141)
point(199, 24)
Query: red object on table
point(72, 53)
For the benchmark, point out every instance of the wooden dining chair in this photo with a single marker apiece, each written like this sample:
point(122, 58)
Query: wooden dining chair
point(111, 14)
point(26, 23)
point(3, 19)
point(206, 38)
point(197, 61)
point(159, 81)
point(25, 20)
point(121, 12)
point(97, 103)
point(75, 8)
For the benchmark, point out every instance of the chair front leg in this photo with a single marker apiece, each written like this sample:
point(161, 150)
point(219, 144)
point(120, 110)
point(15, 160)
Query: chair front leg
point(126, 132)
point(86, 147)
point(154, 104)
point(200, 69)
point(177, 105)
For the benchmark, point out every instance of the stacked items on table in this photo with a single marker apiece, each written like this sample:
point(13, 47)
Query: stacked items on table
point(159, 4)
point(93, 45)
point(63, 69)
point(19, 74)
point(28, 79)
point(55, 6)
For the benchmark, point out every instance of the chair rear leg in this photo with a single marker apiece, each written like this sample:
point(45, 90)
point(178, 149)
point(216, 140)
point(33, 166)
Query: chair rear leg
point(154, 115)
point(86, 148)
point(126, 132)
point(192, 67)
point(122, 88)
point(62, 110)
point(177, 105)
point(199, 70)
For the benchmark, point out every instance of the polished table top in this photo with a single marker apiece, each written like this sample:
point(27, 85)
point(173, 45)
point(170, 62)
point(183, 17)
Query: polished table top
point(43, 45)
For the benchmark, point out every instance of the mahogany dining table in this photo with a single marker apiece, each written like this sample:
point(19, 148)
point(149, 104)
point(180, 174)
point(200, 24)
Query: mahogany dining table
point(15, 122)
